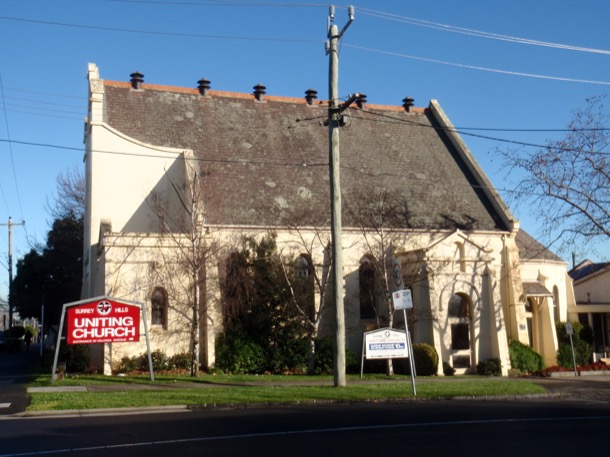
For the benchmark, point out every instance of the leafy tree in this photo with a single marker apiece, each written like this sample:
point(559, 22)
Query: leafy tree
point(262, 314)
point(567, 183)
point(51, 274)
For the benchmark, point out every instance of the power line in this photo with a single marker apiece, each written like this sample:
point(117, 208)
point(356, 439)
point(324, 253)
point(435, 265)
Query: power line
point(478, 33)
point(10, 147)
point(156, 32)
point(475, 67)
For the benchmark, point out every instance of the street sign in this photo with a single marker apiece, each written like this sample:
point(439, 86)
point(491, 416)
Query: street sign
point(402, 299)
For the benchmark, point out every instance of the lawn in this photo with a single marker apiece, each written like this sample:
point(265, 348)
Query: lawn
point(138, 391)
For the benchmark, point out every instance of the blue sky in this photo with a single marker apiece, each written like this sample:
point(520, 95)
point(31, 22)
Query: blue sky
point(490, 64)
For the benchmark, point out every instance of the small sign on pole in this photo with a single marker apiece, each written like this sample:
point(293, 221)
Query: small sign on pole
point(402, 299)
point(570, 332)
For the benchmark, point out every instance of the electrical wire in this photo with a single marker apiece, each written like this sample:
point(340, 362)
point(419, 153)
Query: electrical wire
point(10, 148)
point(477, 33)
point(475, 67)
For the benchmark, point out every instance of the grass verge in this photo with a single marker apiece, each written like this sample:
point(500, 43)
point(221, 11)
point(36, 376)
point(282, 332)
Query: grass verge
point(121, 392)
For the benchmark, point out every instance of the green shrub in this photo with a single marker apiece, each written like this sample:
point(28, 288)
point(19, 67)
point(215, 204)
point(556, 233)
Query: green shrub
point(579, 332)
point(524, 358)
point(583, 352)
point(240, 357)
point(180, 361)
point(325, 355)
point(489, 367)
point(31, 330)
point(291, 357)
point(426, 359)
point(159, 361)
point(76, 357)
point(448, 370)
point(16, 332)
point(129, 364)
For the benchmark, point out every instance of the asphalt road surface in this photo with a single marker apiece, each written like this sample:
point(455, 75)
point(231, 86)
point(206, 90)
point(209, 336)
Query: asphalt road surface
point(545, 426)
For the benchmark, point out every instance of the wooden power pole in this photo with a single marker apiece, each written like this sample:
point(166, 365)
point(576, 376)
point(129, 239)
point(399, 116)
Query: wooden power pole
point(334, 122)
point(10, 225)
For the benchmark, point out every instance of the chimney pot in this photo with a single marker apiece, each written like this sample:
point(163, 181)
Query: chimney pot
point(137, 79)
point(408, 103)
point(360, 102)
point(259, 92)
point(311, 95)
point(204, 86)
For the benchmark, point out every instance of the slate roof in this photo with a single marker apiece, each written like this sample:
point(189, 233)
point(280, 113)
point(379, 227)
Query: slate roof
point(266, 161)
point(531, 249)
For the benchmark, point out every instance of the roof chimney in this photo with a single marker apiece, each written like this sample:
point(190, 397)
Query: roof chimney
point(361, 100)
point(137, 79)
point(259, 91)
point(408, 103)
point(204, 86)
point(311, 95)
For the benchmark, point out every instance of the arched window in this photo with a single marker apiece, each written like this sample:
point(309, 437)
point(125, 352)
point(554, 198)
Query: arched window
point(367, 280)
point(159, 305)
point(557, 310)
point(236, 290)
point(459, 312)
point(304, 285)
point(459, 306)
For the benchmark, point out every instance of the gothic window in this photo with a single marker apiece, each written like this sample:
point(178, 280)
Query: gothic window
point(159, 305)
point(236, 288)
point(304, 285)
point(459, 306)
point(367, 279)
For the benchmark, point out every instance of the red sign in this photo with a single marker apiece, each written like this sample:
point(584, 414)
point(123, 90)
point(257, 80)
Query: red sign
point(103, 321)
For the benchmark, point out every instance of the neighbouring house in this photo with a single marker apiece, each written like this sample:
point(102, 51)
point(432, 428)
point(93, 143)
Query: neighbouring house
point(172, 169)
point(592, 304)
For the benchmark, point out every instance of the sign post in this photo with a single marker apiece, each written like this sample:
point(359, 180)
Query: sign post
point(570, 332)
point(102, 320)
point(404, 301)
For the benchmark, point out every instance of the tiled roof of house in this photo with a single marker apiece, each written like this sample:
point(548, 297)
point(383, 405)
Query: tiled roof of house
point(587, 268)
point(267, 161)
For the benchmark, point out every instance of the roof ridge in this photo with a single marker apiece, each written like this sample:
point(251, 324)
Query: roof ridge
point(246, 96)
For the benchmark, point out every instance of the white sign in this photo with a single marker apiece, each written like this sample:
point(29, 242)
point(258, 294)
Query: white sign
point(402, 299)
point(386, 343)
point(569, 328)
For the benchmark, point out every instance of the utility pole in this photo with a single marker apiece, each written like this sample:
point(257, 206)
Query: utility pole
point(334, 122)
point(10, 225)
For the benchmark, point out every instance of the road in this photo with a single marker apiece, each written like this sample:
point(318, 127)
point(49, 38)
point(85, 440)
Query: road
point(558, 427)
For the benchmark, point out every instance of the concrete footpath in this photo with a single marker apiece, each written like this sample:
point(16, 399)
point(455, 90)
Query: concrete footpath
point(17, 370)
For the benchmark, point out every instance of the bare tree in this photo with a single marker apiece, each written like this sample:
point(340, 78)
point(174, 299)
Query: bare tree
point(379, 215)
point(384, 221)
point(567, 183)
point(185, 250)
point(70, 199)
point(307, 277)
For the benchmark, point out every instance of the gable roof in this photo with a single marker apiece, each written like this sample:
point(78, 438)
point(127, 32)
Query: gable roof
point(531, 249)
point(265, 161)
